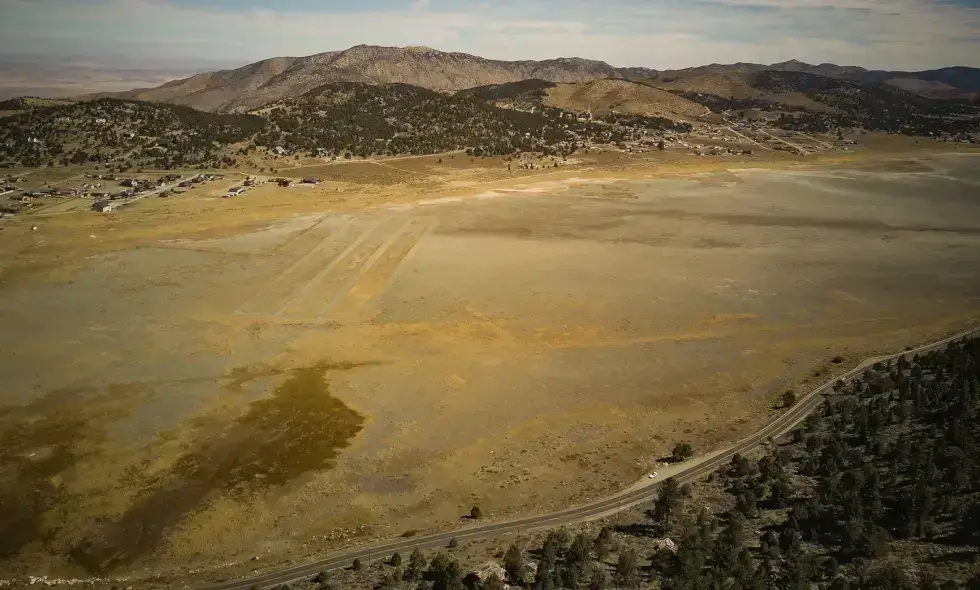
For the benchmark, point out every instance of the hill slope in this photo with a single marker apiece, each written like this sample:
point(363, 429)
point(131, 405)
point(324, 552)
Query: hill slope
point(872, 106)
point(951, 82)
point(355, 119)
point(121, 131)
point(524, 95)
point(622, 96)
point(288, 77)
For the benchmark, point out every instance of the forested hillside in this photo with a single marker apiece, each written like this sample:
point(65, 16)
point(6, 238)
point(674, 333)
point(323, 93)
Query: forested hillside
point(880, 488)
point(879, 107)
point(364, 120)
point(112, 130)
point(812, 102)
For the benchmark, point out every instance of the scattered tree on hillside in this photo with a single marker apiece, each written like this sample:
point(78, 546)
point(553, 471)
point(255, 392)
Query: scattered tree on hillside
point(682, 451)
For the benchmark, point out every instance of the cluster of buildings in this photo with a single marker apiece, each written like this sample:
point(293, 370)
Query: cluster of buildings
point(106, 201)
point(287, 182)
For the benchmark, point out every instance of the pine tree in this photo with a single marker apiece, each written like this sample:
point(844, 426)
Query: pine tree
point(416, 565)
point(627, 572)
point(514, 564)
point(668, 498)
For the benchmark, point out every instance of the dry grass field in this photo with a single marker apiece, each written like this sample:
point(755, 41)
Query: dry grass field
point(196, 381)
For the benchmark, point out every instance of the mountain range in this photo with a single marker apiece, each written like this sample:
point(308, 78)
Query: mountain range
point(264, 82)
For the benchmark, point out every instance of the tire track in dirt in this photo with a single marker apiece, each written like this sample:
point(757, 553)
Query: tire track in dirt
point(337, 277)
point(326, 240)
point(378, 273)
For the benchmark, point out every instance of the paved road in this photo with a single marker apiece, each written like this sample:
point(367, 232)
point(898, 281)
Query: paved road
point(601, 508)
point(793, 145)
point(747, 138)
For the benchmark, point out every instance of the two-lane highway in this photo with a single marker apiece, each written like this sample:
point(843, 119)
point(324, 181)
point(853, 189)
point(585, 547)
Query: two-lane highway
point(601, 508)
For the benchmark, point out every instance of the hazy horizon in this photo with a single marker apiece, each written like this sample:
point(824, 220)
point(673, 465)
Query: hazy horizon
point(666, 34)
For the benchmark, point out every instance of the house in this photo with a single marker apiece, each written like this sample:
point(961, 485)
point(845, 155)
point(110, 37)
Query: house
point(280, 151)
point(491, 569)
point(665, 544)
point(104, 206)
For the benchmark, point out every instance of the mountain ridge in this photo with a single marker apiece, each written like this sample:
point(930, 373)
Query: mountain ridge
point(266, 81)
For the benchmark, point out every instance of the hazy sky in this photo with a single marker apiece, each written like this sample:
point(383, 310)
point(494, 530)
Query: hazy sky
point(890, 34)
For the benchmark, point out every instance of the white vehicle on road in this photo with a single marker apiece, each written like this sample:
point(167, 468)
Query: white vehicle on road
point(653, 475)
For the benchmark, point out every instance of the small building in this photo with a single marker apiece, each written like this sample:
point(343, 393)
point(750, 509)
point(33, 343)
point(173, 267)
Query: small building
point(311, 181)
point(280, 151)
point(665, 544)
point(104, 206)
point(235, 191)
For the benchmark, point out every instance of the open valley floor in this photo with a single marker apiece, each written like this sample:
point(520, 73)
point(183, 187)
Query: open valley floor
point(195, 381)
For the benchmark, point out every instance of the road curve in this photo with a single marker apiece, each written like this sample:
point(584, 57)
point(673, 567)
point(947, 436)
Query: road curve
point(600, 508)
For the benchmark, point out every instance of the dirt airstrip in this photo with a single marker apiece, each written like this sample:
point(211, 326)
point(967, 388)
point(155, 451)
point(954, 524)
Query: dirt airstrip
point(196, 381)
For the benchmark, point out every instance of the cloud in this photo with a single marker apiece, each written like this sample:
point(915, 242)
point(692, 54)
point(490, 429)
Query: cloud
point(892, 34)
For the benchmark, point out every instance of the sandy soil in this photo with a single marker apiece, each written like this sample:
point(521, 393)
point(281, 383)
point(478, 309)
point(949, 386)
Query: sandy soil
point(196, 381)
